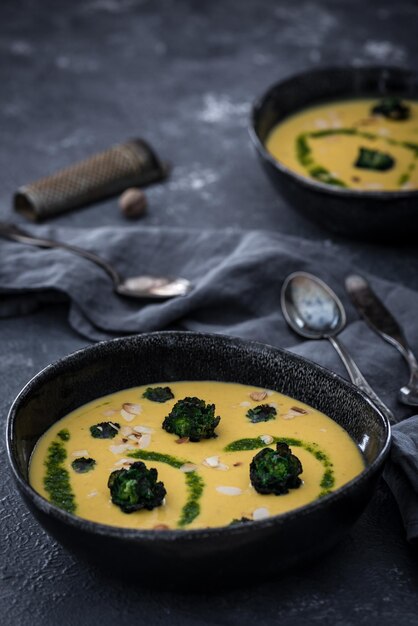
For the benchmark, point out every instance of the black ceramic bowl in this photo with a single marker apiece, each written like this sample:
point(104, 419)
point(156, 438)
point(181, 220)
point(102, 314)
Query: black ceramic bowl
point(371, 215)
point(223, 554)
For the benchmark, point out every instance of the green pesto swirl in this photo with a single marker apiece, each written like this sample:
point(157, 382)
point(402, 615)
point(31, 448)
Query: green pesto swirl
point(328, 479)
point(194, 483)
point(57, 478)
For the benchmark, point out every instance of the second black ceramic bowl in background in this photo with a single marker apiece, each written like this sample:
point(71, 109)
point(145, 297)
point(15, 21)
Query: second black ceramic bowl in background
point(370, 215)
point(226, 554)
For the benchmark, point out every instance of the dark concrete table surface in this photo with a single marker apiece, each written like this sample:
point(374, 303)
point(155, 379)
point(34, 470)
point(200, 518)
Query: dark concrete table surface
point(79, 76)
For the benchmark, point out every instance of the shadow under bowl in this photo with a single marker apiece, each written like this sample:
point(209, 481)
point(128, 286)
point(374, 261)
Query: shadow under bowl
point(223, 554)
point(369, 215)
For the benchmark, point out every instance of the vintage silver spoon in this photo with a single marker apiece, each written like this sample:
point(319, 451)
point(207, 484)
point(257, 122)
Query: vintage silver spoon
point(314, 311)
point(142, 287)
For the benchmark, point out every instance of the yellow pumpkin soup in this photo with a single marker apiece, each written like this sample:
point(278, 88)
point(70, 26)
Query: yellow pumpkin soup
point(191, 455)
point(366, 144)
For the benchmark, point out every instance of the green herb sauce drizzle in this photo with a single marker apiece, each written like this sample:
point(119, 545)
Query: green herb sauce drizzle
point(194, 483)
point(315, 170)
point(328, 479)
point(57, 479)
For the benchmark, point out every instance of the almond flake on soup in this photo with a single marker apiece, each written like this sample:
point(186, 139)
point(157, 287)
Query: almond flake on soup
point(258, 396)
point(121, 448)
point(144, 442)
point(129, 417)
point(144, 430)
point(261, 513)
point(188, 467)
point(229, 491)
point(79, 453)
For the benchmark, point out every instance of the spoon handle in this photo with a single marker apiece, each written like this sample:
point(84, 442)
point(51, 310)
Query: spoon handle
point(358, 379)
point(11, 231)
point(381, 320)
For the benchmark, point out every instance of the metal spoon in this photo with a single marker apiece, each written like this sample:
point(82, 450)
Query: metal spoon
point(142, 287)
point(314, 311)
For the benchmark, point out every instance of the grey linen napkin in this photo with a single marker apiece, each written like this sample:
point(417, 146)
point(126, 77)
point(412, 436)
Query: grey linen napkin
point(237, 276)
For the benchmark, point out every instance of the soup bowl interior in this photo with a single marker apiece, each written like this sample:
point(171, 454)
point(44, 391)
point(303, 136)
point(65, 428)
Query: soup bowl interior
point(372, 215)
point(225, 552)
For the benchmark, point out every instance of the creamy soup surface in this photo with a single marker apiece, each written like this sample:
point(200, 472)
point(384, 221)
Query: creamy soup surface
point(217, 480)
point(324, 143)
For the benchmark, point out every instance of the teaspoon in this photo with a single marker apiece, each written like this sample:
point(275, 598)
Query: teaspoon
point(142, 287)
point(314, 311)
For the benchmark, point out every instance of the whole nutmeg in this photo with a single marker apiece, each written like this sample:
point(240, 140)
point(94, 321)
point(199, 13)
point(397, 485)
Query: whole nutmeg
point(133, 203)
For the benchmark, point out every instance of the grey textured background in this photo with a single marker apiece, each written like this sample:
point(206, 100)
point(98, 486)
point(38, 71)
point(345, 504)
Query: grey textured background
point(79, 76)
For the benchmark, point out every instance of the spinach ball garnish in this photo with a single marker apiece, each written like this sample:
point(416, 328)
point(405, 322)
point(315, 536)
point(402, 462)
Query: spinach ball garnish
point(275, 471)
point(392, 108)
point(81, 465)
point(104, 430)
point(374, 160)
point(192, 418)
point(261, 413)
point(136, 488)
point(158, 394)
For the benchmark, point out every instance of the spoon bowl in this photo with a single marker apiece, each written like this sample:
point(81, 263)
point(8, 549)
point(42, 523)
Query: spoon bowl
point(310, 307)
point(159, 287)
point(314, 311)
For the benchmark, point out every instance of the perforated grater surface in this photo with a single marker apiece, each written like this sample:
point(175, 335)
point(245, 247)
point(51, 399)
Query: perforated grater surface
point(104, 174)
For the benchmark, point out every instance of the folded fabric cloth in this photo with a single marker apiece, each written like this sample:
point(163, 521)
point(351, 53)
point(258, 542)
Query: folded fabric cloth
point(401, 474)
point(237, 277)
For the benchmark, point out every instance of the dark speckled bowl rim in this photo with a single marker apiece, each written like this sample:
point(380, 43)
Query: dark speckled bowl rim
point(188, 534)
point(305, 181)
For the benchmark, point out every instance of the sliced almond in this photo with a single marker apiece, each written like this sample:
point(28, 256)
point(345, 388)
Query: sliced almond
point(223, 467)
point(299, 409)
point(108, 412)
point(121, 448)
point(183, 440)
point(229, 491)
point(188, 467)
point(257, 396)
point(129, 417)
point(211, 461)
point(267, 439)
point(294, 412)
point(134, 409)
point(79, 453)
point(124, 462)
point(261, 513)
point(289, 416)
point(134, 436)
point(126, 430)
point(144, 441)
point(245, 403)
point(144, 430)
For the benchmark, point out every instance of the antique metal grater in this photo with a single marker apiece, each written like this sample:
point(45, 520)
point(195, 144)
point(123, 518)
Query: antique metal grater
point(104, 174)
